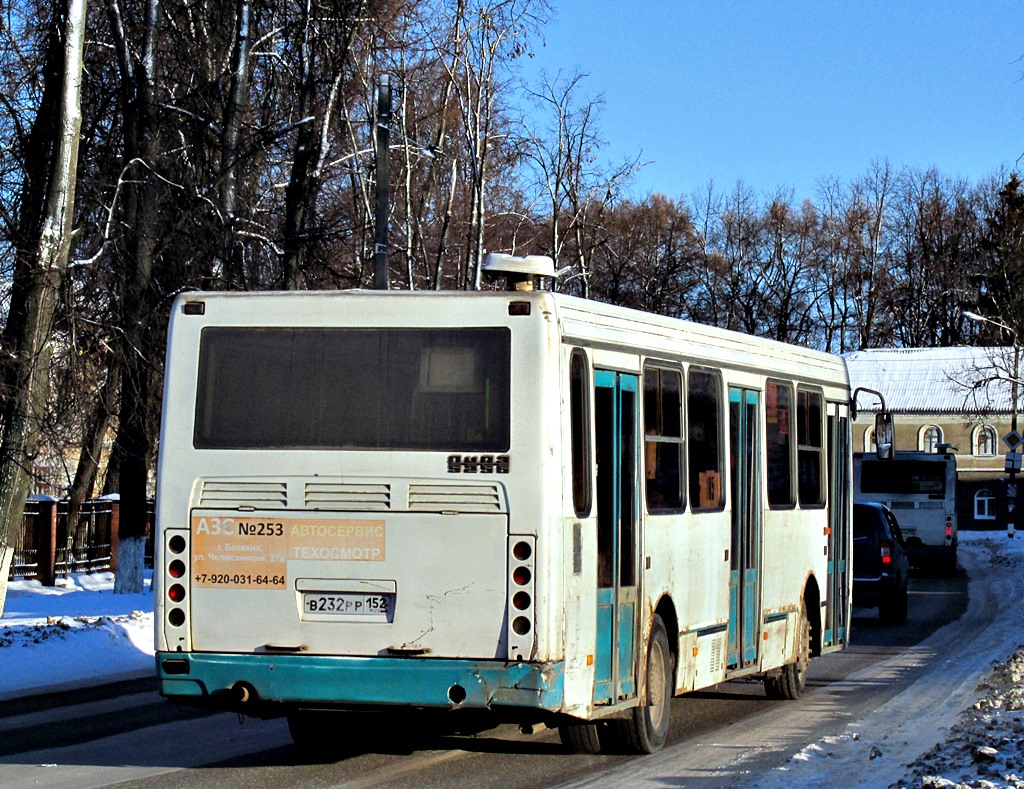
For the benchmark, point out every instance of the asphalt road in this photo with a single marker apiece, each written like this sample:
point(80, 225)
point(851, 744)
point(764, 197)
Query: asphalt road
point(126, 735)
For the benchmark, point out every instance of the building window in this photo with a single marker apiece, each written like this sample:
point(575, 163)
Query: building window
point(984, 505)
point(985, 440)
point(869, 440)
point(930, 438)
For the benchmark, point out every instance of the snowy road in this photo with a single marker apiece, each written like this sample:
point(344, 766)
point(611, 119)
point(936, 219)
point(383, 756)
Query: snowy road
point(847, 743)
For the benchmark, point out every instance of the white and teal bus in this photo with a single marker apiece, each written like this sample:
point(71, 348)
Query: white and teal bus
point(552, 510)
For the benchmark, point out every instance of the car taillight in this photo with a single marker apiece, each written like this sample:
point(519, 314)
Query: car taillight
point(886, 552)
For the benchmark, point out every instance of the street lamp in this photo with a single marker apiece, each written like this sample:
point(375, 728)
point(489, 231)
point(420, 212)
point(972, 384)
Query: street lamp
point(1013, 440)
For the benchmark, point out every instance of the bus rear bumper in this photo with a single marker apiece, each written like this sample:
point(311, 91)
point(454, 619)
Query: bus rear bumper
point(260, 683)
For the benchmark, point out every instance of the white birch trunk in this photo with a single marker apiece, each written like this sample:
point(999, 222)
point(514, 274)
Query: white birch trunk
point(50, 265)
point(6, 557)
point(131, 566)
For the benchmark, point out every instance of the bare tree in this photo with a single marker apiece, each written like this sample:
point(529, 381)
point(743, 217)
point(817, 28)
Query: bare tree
point(869, 217)
point(487, 38)
point(561, 141)
point(936, 238)
point(40, 268)
point(320, 51)
point(137, 65)
point(649, 258)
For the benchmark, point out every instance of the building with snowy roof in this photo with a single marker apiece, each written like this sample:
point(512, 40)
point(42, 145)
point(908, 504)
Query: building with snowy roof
point(961, 397)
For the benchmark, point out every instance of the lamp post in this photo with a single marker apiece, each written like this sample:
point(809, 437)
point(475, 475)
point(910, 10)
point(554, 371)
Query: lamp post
point(1013, 440)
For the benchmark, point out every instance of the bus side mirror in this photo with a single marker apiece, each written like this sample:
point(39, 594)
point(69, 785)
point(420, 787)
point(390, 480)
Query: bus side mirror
point(884, 435)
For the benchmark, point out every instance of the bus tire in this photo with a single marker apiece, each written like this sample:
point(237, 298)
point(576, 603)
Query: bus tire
point(579, 736)
point(789, 683)
point(646, 729)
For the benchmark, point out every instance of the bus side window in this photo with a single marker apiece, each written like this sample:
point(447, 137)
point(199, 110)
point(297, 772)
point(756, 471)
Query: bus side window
point(703, 410)
point(579, 417)
point(779, 419)
point(663, 439)
point(810, 448)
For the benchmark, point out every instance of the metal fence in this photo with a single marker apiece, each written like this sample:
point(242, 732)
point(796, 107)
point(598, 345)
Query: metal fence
point(47, 551)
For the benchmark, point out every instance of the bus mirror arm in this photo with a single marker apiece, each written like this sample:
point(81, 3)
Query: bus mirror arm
point(857, 391)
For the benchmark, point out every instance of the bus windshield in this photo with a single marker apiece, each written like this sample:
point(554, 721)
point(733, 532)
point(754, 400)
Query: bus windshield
point(903, 476)
point(329, 388)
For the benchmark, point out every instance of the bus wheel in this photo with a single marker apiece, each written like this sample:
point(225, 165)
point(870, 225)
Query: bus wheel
point(791, 680)
point(580, 736)
point(647, 727)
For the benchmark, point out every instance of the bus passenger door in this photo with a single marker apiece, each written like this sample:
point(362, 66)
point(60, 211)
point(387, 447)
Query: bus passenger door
point(745, 552)
point(838, 606)
point(615, 417)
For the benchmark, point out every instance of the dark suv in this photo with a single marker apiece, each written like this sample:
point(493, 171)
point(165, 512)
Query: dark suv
point(880, 567)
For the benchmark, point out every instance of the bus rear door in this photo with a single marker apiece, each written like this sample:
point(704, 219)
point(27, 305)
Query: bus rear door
point(745, 551)
point(615, 415)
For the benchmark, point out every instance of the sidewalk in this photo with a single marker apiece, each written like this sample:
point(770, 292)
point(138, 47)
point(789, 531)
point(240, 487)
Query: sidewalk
point(73, 635)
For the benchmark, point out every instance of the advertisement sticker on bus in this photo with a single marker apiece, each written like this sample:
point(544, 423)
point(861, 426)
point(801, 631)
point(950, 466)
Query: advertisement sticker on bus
point(253, 553)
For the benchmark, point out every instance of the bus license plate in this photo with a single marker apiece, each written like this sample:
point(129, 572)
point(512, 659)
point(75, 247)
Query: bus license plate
point(347, 604)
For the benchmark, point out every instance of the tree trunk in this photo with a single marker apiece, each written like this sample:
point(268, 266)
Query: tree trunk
point(298, 192)
point(234, 116)
point(89, 460)
point(39, 273)
point(138, 95)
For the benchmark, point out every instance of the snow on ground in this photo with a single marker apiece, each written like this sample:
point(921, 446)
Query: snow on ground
point(75, 634)
point(960, 725)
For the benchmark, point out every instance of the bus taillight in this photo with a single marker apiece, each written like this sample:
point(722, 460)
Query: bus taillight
point(521, 638)
point(176, 573)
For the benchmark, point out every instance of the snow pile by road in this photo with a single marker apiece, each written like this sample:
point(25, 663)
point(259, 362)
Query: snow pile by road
point(961, 723)
point(986, 746)
point(74, 634)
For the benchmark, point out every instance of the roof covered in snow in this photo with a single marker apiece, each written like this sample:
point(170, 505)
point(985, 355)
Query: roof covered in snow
point(934, 380)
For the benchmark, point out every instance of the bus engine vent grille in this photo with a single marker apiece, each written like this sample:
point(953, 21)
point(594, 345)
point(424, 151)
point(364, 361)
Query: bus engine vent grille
point(243, 493)
point(456, 498)
point(347, 496)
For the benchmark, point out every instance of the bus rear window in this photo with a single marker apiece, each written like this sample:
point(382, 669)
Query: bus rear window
point(902, 476)
point(327, 388)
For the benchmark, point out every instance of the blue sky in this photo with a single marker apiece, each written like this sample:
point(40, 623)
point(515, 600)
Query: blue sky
point(783, 94)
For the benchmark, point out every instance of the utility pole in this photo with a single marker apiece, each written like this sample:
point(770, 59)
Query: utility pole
point(1013, 458)
point(380, 234)
point(1013, 439)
